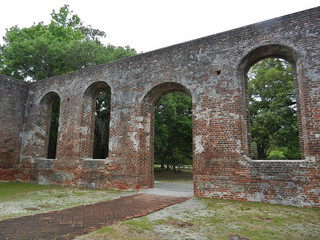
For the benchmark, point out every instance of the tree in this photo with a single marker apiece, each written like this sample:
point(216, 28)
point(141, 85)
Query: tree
point(101, 130)
point(65, 45)
point(173, 130)
point(273, 110)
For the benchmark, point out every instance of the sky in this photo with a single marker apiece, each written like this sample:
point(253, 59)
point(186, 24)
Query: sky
point(147, 25)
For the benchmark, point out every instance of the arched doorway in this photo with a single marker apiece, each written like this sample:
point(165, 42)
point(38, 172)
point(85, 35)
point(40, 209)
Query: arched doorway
point(49, 116)
point(173, 137)
point(152, 102)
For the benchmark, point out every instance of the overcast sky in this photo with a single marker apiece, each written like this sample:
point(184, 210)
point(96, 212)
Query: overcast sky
point(151, 24)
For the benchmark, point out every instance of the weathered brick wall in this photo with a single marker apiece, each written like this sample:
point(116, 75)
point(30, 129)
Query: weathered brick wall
point(212, 71)
point(13, 98)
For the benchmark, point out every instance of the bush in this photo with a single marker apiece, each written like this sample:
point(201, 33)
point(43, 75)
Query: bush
point(276, 155)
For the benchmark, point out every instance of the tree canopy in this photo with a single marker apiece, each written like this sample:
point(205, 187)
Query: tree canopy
point(65, 45)
point(173, 130)
point(273, 110)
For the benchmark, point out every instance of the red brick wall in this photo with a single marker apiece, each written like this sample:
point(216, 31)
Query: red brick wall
point(212, 71)
point(13, 99)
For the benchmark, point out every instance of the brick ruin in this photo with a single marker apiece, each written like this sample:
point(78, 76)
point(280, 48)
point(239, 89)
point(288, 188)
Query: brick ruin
point(212, 70)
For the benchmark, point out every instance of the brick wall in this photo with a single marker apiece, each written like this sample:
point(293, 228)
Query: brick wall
point(212, 71)
point(13, 98)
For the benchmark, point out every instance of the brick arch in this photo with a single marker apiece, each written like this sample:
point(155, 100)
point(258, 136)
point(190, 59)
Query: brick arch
point(285, 52)
point(44, 119)
point(87, 122)
point(49, 98)
point(147, 136)
point(265, 51)
point(158, 91)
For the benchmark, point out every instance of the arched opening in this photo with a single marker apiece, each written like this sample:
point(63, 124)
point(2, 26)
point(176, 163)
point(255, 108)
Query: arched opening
point(173, 137)
point(273, 110)
point(96, 121)
point(51, 113)
point(54, 125)
point(273, 114)
point(152, 102)
point(101, 125)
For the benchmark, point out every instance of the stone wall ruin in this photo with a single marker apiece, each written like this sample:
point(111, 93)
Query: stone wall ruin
point(212, 70)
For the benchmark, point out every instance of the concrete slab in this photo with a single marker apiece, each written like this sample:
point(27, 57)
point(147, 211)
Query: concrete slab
point(176, 189)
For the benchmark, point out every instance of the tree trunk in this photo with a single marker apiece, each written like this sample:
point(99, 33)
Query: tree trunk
point(261, 152)
point(174, 166)
point(162, 163)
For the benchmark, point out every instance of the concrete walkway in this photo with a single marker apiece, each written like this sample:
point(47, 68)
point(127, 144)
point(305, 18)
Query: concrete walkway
point(175, 189)
point(80, 220)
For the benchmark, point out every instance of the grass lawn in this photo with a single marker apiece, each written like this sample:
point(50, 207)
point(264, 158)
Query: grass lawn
point(18, 199)
point(218, 219)
point(194, 219)
point(11, 190)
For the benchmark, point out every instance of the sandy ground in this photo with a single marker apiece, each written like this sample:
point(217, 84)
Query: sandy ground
point(181, 226)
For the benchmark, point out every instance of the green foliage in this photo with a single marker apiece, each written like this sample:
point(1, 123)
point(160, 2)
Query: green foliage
point(173, 130)
point(102, 119)
point(273, 109)
point(54, 125)
point(65, 45)
point(275, 155)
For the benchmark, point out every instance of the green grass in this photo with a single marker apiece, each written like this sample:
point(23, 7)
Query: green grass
point(260, 221)
point(14, 189)
point(224, 218)
point(107, 230)
point(132, 229)
point(139, 226)
point(25, 198)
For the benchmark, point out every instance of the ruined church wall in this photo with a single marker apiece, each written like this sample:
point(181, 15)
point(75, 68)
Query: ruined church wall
point(211, 70)
point(13, 98)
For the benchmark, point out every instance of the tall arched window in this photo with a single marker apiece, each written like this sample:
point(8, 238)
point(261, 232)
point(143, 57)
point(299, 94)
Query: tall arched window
point(54, 125)
point(96, 120)
point(50, 114)
point(101, 129)
point(271, 79)
point(273, 110)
